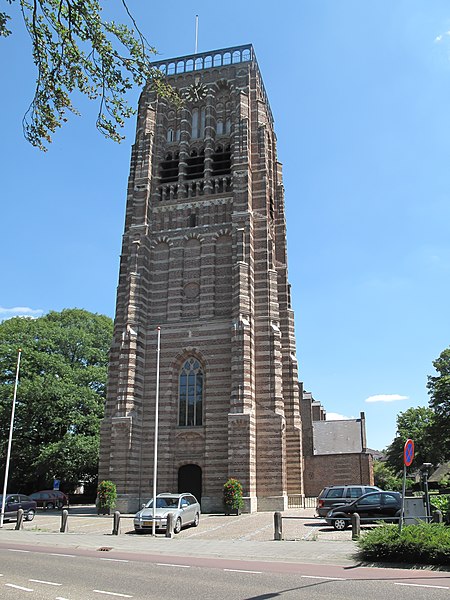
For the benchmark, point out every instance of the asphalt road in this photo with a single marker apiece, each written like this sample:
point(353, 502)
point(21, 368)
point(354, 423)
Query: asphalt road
point(41, 574)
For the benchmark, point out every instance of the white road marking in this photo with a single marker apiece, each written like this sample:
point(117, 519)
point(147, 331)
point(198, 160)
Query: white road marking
point(19, 587)
point(171, 565)
point(439, 587)
point(57, 554)
point(116, 559)
point(318, 577)
point(14, 550)
point(60, 598)
point(242, 571)
point(112, 594)
point(46, 582)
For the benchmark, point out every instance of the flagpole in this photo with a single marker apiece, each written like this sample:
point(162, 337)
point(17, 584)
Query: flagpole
point(155, 452)
point(8, 454)
point(196, 34)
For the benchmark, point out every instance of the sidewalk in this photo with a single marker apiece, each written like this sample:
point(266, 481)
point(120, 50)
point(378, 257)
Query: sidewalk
point(247, 537)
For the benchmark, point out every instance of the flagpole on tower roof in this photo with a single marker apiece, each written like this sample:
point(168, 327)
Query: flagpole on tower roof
point(196, 34)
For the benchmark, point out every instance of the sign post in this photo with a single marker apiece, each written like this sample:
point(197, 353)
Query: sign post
point(408, 457)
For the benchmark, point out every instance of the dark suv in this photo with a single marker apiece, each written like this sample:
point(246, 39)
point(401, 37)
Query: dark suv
point(337, 495)
point(16, 501)
point(384, 506)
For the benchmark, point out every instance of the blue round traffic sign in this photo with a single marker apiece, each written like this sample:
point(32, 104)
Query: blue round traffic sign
point(408, 452)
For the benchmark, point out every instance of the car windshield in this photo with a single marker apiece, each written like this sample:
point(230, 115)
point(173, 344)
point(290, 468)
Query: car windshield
point(163, 503)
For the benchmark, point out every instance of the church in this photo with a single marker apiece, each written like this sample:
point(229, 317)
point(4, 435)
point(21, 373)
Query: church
point(204, 259)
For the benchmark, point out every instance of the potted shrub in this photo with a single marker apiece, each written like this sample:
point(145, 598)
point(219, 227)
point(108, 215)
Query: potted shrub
point(106, 497)
point(232, 497)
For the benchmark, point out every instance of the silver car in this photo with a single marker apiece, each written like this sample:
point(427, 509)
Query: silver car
point(185, 507)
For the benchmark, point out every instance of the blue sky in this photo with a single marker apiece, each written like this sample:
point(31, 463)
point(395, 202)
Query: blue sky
point(360, 94)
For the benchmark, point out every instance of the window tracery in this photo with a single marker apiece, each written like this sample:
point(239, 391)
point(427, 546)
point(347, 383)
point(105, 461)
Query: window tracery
point(190, 394)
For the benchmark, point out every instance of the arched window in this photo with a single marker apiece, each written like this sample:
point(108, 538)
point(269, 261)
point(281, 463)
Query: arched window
point(170, 135)
point(195, 165)
point(219, 128)
point(190, 394)
point(168, 168)
point(221, 164)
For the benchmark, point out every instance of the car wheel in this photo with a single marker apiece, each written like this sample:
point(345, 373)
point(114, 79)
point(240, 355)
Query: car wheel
point(177, 527)
point(29, 515)
point(340, 524)
point(50, 505)
point(196, 520)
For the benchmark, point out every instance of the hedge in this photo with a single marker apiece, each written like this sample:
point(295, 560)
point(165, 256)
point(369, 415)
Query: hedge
point(423, 543)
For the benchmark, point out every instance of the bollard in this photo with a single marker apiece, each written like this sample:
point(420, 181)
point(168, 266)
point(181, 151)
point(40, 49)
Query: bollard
point(116, 523)
point(437, 516)
point(278, 526)
point(64, 524)
point(356, 526)
point(19, 524)
point(170, 525)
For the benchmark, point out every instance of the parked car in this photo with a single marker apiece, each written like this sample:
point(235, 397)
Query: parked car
point(50, 498)
point(336, 495)
point(16, 501)
point(385, 506)
point(184, 506)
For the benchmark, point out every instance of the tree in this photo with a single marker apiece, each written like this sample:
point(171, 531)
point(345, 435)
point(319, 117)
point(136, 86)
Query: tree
point(60, 398)
point(386, 478)
point(414, 423)
point(439, 391)
point(75, 49)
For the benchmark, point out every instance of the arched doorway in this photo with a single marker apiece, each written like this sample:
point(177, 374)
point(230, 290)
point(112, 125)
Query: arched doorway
point(190, 480)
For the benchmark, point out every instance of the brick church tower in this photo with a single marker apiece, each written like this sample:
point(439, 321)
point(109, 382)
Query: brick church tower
point(204, 258)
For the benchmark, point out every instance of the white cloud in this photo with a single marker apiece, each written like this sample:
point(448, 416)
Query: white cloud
point(440, 37)
point(386, 398)
point(20, 311)
point(331, 416)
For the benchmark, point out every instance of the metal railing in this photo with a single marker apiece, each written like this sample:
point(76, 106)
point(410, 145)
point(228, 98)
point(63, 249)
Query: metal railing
point(300, 501)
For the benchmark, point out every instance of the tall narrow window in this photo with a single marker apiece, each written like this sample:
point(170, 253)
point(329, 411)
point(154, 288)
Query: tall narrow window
point(202, 121)
point(195, 123)
point(190, 394)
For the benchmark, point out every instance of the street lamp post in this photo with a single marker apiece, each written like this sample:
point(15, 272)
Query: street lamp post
point(11, 428)
point(155, 452)
point(424, 469)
